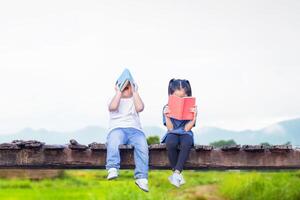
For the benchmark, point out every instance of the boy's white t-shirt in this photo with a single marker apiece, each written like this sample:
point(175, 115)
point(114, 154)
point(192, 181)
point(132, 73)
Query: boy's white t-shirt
point(125, 116)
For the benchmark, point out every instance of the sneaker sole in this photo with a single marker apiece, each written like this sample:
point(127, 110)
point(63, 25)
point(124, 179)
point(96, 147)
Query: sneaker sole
point(112, 178)
point(141, 188)
point(173, 184)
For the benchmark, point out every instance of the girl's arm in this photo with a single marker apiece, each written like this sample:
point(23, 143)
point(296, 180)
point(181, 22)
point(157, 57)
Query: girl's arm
point(169, 123)
point(114, 104)
point(138, 103)
point(191, 123)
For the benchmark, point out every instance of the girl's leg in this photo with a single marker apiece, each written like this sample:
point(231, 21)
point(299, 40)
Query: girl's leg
point(114, 139)
point(141, 156)
point(186, 143)
point(172, 141)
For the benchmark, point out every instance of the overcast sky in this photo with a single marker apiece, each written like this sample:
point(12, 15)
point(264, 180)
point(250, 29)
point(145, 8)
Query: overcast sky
point(59, 60)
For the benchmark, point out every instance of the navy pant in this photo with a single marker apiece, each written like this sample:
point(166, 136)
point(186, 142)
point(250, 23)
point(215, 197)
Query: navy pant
point(177, 157)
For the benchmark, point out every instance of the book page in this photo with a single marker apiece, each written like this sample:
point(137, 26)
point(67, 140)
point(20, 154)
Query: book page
point(189, 103)
point(175, 106)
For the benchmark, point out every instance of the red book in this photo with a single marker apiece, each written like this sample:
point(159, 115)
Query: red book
point(180, 108)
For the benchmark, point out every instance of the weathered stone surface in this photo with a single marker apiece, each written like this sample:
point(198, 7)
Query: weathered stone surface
point(97, 146)
point(254, 148)
point(74, 145)
point(203, 148)
point(54, 147)
point(231, 148)
point(11, 146)
point(30, 144)
point(281, 148)
point(36, 155)
point(157, 147)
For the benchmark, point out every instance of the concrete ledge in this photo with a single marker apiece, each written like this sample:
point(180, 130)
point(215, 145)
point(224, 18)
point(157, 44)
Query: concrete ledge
point(38, 155)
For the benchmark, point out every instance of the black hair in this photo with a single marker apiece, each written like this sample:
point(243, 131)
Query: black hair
point(177, 84)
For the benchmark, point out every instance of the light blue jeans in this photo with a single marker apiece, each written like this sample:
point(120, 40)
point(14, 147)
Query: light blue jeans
point(131, 136)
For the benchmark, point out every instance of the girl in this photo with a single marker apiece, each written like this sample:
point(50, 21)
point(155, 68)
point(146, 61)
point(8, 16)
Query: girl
point(179, 132)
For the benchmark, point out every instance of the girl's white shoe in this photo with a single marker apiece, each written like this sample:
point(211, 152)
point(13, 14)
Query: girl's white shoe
point(182, 181)
point(112, 173)
point(142, 183)
point(175, 179)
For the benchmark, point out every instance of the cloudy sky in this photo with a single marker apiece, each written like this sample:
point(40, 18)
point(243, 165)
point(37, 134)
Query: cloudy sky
point(59, 60)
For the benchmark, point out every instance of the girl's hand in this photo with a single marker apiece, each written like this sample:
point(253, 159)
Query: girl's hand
point(169, 123)
point(195, 111)
point(191, 123)
point(166, 111)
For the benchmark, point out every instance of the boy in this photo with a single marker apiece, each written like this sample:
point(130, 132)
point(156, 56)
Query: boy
point(125, 128)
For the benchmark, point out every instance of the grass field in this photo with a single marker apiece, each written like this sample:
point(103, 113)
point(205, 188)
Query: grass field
point(210, 185)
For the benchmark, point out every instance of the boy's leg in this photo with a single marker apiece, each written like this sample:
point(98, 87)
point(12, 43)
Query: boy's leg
point(114, 139)
point(172, 141)
point(141, 155)
point(186, 143)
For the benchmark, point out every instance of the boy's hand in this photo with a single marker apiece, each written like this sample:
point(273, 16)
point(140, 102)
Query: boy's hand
point(166, 111)
point(114, 104)
point(138, 102)
point(117, 89)
point(134, 87)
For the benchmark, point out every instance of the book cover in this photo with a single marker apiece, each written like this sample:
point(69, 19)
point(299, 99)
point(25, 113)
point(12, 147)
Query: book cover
point(180, 108)
point(124, 79)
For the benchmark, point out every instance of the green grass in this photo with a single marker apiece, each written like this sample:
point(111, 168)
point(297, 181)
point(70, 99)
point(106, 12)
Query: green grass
point(261, 186)
point(92, 185)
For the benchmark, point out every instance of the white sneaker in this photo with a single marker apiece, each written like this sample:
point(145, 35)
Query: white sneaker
point(175, 179)
point(182, 181)
point(142, 183)
point(112, 173)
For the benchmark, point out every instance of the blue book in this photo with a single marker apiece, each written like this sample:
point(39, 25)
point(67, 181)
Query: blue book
point(124, 79)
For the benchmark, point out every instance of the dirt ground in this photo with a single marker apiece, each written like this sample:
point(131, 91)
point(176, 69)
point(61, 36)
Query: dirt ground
point(35, 174)
point(202, 192)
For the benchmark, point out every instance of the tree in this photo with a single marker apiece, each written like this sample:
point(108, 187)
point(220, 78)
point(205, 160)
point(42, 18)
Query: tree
point(265, 144)
point(153, 140)
point(221, 143)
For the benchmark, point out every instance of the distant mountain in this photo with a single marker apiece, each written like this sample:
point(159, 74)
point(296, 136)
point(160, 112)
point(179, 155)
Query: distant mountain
point(278, 133)
point(85, 136)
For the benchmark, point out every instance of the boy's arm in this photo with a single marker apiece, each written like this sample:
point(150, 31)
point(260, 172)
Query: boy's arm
point(114, 104)
point(191, 123)
point(138, 103)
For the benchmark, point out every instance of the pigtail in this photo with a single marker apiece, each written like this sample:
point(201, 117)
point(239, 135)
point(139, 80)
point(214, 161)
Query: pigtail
point(188, 88)
point(170, 87)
